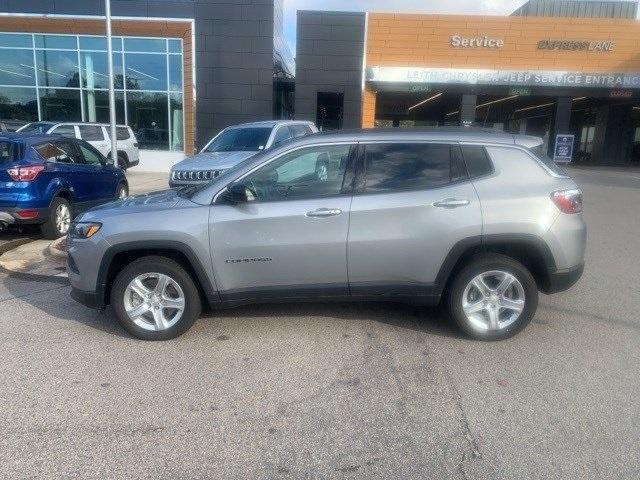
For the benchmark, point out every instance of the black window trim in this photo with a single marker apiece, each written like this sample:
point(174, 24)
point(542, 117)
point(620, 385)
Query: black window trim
point(484, 147)
point(360, 185)
point(89, 147)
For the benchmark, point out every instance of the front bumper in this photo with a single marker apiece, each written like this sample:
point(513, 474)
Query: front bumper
point(562, 280)
point(88, 299)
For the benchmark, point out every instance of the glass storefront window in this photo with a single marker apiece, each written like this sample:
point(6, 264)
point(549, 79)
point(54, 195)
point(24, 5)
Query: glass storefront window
point(61, 105)
point(69, 82)
point(16, 67)
point(145, 71)
point(177, 122)
point(57, 68)
point(175, 46)
point(15, 40)
point(96, 106)
point(94, 70)
point(145, 45)
point(93, 43)
point(175, 73)
point(56, 41)
point(148, 118)
point(18, 104)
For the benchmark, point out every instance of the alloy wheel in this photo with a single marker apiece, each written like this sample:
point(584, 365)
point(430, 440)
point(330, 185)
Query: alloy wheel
point(493, 300)
point(154, 301)
point(63, 218)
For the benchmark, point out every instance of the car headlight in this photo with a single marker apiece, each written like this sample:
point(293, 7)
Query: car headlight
point(84, 229)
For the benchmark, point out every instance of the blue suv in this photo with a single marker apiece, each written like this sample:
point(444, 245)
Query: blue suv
point(46, 179)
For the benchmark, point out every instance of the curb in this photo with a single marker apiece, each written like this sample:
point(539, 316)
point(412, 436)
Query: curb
point(55, 252)
point(11, 244)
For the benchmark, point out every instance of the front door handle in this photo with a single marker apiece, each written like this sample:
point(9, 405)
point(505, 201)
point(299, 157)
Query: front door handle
point(324, 212)
point(451, 203)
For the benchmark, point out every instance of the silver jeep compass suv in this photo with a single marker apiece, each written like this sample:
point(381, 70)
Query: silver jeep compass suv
point(480, 221)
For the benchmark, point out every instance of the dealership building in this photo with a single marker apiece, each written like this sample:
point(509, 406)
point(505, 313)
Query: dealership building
point(184, 69)
point(552, 68)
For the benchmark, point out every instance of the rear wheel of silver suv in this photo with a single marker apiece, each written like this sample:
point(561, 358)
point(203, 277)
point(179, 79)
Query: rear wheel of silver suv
point(155, 298)
point(493, 297)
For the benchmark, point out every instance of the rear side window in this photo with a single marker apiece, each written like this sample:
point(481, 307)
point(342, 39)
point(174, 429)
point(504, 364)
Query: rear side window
point(541, 155)
point(476, 160)
point(122, 133)
point(91, 133)
point(8, 152)
point(402, 166)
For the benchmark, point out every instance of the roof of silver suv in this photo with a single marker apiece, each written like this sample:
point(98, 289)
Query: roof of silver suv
point(270, 123)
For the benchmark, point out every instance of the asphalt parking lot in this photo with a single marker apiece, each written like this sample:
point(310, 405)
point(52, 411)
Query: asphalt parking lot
point(339, 390)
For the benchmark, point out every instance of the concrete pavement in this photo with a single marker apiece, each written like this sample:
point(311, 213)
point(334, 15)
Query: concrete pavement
point(335, 391)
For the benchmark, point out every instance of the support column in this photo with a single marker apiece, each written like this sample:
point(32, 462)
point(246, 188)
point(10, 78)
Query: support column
point(368, 108)
point(560, 124)
point(468, 109)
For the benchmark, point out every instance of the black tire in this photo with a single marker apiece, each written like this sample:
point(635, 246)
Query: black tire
point(123, 163)
point(49, 229)
point(485, 263)
point(122, 187)
point(166, 266)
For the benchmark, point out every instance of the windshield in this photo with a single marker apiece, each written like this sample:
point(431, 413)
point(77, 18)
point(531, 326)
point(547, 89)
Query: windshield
point(240, 140)
point(548, 162)
point(36, 127)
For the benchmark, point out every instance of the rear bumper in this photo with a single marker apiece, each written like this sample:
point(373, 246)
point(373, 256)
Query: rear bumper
point(88, 299)
point(562, 280)
point(12, 212)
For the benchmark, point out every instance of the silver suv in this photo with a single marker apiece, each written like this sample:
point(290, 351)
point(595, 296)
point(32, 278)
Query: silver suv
point(233, 145)
point(479, 221)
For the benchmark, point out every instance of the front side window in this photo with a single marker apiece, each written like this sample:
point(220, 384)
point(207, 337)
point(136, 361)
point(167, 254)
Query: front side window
point(61, 152)
point(406, 166)
point(250, 139)
point(36, 127)
point(65, 131)
point(313, 172)
point(89, 154)
point(300, 130)
point(281, 135)
point(91, 133)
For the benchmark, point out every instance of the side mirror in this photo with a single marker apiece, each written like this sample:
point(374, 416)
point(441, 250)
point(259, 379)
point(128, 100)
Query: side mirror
point(236, 193)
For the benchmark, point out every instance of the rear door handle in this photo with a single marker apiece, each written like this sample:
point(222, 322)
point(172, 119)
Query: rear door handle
point(324, 212)
point(451, 203)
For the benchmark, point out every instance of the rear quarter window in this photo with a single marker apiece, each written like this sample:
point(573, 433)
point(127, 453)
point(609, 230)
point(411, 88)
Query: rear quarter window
point(8, 152)
point(122, 133)
point(541, 155)
point(476, 160)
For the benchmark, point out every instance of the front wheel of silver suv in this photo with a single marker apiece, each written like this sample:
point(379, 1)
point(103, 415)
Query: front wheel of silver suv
point(155, 298)
point(493, 297)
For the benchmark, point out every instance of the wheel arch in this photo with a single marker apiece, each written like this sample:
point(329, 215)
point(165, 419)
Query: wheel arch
point(530, 250)
point(118, 256)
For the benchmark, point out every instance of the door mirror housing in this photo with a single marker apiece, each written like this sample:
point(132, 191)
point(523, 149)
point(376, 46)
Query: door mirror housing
point(236, 193)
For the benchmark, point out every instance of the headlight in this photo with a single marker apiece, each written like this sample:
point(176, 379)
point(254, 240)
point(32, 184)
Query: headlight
point(84, 229)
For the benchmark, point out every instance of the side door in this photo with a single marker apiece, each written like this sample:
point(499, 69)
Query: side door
point(95, 135)
point(104, 176)
point(413, 203)
point(64, 162)
point(289, 239)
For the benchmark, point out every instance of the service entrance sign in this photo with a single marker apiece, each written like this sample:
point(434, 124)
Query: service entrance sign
point(563, 150)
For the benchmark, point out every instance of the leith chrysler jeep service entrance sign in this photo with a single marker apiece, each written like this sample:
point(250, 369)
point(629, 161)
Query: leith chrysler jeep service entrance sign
point(476, 42)
point(502, 77)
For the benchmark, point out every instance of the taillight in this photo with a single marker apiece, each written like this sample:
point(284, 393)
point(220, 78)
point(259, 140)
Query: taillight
point(568, 201)
point(25, 174)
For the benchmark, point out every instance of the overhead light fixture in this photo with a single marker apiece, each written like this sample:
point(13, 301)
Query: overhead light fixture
point(636, 108)
point(432, 97)
point(452, 113)
point(577, 99)
point(533, 107)
point(496, 101)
